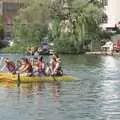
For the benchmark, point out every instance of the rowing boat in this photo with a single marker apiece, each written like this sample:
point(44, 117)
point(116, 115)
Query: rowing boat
point(24, 79)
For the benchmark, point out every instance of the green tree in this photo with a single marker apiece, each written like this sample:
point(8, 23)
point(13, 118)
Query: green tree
point(83, 26)
point(30, 26)
point(85, 19)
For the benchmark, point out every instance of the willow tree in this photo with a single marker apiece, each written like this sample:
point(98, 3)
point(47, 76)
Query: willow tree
point(84, 18)
point(88, 19)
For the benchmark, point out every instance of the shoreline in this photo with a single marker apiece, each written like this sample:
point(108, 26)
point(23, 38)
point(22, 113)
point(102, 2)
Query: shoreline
point(85, 53)
point(102, 53)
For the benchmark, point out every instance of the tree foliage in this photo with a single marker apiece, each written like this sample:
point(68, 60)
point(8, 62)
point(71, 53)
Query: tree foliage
point(85, 19)
point(74, 23)
point(32, 22)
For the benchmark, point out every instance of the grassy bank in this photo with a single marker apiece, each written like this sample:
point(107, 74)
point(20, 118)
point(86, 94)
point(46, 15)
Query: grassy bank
point(14, 49)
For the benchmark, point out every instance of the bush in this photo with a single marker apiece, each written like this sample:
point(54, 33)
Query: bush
point(15, 49)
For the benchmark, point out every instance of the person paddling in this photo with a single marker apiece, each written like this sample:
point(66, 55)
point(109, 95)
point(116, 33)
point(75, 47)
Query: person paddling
point(39, 66)
point(26, 67)
point(57, 69)
point(55, 66)
point(10, 65)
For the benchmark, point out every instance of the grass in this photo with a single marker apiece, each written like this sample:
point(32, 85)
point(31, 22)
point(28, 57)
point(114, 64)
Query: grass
point(15, 49)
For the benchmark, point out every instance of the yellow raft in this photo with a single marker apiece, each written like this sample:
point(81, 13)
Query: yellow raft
point(8, 77)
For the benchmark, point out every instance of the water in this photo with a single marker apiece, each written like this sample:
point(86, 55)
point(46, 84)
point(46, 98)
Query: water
point(95, 96)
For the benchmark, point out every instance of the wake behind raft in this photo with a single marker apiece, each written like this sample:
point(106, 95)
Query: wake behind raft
point(5, 77)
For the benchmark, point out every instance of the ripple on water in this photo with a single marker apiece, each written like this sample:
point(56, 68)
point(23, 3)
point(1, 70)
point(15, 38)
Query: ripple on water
point(96, 96)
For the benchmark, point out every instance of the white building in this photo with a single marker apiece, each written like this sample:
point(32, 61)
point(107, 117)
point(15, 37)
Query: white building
point(112, 11)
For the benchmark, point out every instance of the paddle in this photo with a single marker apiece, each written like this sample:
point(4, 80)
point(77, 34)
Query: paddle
point(18, 74)
point(50, 71)
point(18, 79)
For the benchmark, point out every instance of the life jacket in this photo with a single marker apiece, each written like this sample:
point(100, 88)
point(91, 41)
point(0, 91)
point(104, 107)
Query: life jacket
point(10, 66)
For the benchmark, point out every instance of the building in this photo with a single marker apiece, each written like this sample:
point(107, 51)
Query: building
point(8, 10)
point(112, 18)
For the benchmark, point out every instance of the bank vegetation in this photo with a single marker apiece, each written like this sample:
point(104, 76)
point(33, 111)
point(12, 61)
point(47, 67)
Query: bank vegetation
point(72, 25)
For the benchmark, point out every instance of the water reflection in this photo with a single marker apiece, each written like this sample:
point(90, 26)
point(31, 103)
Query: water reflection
point(109, 96)
point(96, 96)
point(110, 67)
point(33, 89)
point(56, 87)
point(109, 62)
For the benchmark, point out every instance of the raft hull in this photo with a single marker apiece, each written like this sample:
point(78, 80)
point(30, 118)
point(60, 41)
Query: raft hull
point(23, 79)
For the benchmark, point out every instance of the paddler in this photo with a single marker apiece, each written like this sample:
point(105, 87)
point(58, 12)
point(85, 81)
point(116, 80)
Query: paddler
point(55, 66)
point(10, 65)
point(35, 66)
point(57, 69)
point(39, 66)
point(26, 67)
point(51, 66)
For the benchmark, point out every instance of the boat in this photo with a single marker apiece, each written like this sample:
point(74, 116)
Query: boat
point(40, 53)
point(8, 77)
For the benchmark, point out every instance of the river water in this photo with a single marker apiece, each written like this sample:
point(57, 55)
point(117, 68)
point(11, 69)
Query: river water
point(95, 96)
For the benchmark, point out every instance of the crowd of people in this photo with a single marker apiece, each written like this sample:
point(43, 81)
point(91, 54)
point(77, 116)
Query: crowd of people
point(35, 66)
